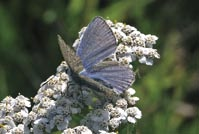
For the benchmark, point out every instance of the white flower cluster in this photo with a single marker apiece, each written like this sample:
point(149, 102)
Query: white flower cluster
point(132, 44)
point(57, 99)
point(78, 130)
point(112, 115)
point(13, 113)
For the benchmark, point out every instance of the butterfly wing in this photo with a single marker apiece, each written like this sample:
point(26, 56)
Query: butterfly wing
point(75, 66)
point(97, 43)
point(119, 77)
point(70, 57)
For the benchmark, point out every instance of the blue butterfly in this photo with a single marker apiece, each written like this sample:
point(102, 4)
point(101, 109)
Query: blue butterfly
point(88, 65)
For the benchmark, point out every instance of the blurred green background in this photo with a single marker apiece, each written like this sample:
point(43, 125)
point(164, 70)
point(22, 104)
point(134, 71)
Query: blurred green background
point(168, 90)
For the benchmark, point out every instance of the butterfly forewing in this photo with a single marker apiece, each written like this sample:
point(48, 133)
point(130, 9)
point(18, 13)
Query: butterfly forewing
point(70, 57)
point(97, 43)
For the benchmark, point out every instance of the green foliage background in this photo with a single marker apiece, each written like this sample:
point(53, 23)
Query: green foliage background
point(168, 91)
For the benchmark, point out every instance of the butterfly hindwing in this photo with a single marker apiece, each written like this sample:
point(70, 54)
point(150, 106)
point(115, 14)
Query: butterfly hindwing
point(97, 43)
point(118, 76)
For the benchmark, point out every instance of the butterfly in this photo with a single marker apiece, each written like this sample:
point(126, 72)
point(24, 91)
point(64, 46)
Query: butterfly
point(87, 65)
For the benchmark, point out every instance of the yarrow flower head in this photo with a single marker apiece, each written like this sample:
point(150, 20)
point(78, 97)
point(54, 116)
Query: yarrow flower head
point(13, 112)
point(59, 98)
point(54, 103)
point(113, 114)
point(78, 130)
